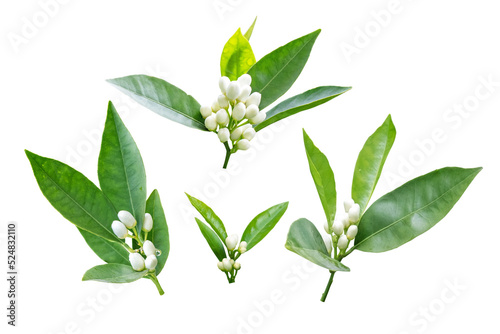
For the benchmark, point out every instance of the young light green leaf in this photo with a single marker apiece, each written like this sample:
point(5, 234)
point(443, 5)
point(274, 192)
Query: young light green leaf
point(74, 196)
point(163, 98)
point(237, 57)
point(412, 209)
point(305, 240)
point(370, 162)
point(307, 100)
point(121, 172)
point(159, 235)
point(210, 217)
point(249, 32)
point(108, 251)
point(113, 273)
point(262, 224)
point(276, 72)
point(323, 177)
point(212, 239)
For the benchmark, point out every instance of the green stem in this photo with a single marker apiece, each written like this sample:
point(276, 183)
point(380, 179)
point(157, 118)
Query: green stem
point(228, 155)
point(158, 286)
point(327, 289)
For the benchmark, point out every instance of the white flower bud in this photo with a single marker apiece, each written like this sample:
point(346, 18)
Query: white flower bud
point(245, 93)
point(243, 247)
point(254, 99)
point(259, 118)
point(222, 117)
point(151, 262)
point(243, 144)
point(136, 261)
point(223, 135)
point(233, 91)
point(226, 263)
point(252, 111)
point(236, 134)
point(148, 223)
point(354, 212)
point(348, 203)
point(249, 134)
point(206, 111)
point(245, 80)
point(119, 229)
point(215, 106)
point(338, 228)
point(328, 244)
point(220, 265)
point(351, 232)
point(149, 248)
point(345, 221)
point(232, 242)
point(127, 219)
point(223, 83)
point(343, 242)
point(326, 226)
point(237, 266)
point(222, 101)
point(232, 261)
point(239, 111)
point(211, 122)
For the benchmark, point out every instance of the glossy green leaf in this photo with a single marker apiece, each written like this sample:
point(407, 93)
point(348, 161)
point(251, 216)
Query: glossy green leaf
point(276, 72)
point(213, 240)
point(113, 273)
point(159, 235)
point(121, 172)
point(307, 100)
point(249, 32)
point(210, 217)
point(370, 162)
point(108, 251)
point(163, 98)
point(305, 240)
point(237, 57)
point(410, 210)
point(262, 224)
point(323, 177)
point(74, 196)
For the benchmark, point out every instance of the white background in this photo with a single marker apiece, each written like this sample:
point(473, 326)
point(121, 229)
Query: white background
point(426, 58)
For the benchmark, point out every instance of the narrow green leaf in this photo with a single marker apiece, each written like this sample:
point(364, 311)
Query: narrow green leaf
point(412, 209)
point(213, 240)
point(237, 57)
point(210, 217)
point(159, 235)
point(276, 72)
point(108, 251)
point(163, 98)
point(370, 162)
point(113, 273)
point(305, 240)
point(262, 224)
point(323, 177)
point(249, 32)
point(121, 172)
point(307, 100)
point(74, 196)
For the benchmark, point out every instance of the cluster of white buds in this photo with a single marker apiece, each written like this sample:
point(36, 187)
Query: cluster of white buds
point(345, 229)
point(234, 112)
point(235, 250)
point(121, 229)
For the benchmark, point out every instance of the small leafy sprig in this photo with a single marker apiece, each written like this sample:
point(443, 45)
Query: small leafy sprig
point(228, 249)
point(391, 221)
point(241, 74)
point(106, 217)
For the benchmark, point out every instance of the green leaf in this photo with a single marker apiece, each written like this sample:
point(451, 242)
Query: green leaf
point(370, 162)
point(108, 251)
point(237, 57)
point(113, 273)
point(163, 98)
point(305, 240)
point(307, 100)
point(276, 72)
point(120, 168)
point(249, 32)
point(74, 196)
point(213, 240)
point(410, 210)
point(262, 224)
point(323, 177)
point(159, 235)
point(210, 217)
